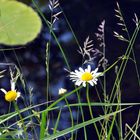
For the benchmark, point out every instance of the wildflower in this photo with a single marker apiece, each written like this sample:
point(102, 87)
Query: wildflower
point(85, 76)
point(62, 91)
point(12, 94)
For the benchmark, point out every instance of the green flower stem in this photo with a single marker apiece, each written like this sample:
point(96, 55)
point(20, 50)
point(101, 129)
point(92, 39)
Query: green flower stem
point(17, 110)
point(82, 114)
point(70, 111)
point(90, 110)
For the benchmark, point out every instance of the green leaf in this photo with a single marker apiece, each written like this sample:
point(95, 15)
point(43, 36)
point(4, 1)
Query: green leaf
point(19, 23)
point(43, 125)
point(78, 126)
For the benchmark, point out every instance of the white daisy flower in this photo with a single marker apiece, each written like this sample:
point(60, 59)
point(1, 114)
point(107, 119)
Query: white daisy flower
point(62, 91)
point(12, 94)
point(85, 76)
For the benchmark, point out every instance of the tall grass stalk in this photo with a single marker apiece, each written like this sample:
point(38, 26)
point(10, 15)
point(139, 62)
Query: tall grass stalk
point(53, 34)
point(129, 38)
point(123, 64)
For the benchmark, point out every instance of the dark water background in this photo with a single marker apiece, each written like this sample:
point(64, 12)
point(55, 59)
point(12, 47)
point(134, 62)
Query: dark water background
point(84, 17)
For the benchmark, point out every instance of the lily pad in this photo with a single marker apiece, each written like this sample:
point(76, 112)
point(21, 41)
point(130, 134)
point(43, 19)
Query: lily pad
point(19, 23)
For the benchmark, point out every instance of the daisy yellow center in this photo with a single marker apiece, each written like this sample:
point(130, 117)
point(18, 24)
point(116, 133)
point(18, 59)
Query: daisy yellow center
point(87, 76)
point(10, 96)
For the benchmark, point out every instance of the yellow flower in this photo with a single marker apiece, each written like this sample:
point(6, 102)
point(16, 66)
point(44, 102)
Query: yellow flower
point(85, 76)
point(12, 94)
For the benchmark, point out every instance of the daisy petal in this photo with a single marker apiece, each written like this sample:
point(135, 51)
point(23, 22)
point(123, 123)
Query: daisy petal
point(84, 84)
point(83, 76)
point(91, 83)
point(81, 70)
point(76, 71)
point(95, 71)
point(95, 82)
point(3, 90)
point(73, 75)
point(18, 95)
point(79, 83)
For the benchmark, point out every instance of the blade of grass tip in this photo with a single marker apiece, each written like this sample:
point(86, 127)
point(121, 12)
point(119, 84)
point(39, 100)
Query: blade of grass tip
point(81, 125)
point(132, 135)
point(90, 110)
point(57, 121)
point(71, 116)
point(43, 125)
point(47, 23)
point(133, 132)
point(137, 123)
point(128, 133)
